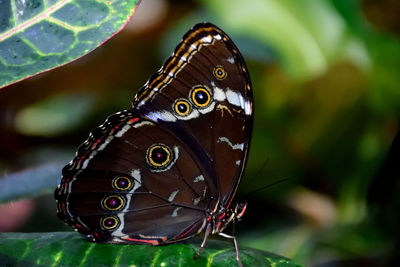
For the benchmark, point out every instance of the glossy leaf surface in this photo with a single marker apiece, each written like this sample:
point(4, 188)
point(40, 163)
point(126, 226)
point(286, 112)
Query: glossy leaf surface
point(39, 35)
point(70, 249)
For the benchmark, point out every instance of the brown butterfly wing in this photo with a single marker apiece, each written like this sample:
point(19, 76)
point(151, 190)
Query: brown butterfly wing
point(196, 114)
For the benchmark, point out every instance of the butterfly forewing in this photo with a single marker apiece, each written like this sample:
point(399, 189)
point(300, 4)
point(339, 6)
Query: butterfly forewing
point(219, 131)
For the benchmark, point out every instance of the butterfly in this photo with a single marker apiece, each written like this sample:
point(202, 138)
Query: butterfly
point(168, 168)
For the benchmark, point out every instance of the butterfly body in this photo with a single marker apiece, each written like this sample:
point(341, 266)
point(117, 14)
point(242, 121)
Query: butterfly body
point(168, 168)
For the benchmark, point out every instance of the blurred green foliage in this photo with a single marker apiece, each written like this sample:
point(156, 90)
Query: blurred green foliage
point(326, 82)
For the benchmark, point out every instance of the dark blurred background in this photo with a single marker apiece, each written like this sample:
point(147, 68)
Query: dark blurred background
point(326, 79)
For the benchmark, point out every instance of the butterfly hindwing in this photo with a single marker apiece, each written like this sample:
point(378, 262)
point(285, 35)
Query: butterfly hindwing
point(125, 185)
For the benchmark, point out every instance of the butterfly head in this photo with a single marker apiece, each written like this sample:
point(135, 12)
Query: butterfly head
point(225, 216)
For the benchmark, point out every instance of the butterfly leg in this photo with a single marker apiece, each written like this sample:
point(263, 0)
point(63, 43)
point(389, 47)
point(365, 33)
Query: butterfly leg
point(203, 244)
point(236, 246)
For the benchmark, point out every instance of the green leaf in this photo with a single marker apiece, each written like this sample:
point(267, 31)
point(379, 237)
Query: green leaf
point(31, 182)
point(39, 35)
point(70, 249)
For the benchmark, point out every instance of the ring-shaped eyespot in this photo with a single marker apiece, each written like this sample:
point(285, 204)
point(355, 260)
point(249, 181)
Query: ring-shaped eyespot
point(113, 203)
point(182, 107)
point(122, 183)
point(109, 223)
point(219, 73)
point(159, 156)
point(200, 96)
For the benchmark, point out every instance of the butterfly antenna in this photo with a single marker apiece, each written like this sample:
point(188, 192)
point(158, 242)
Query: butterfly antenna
point(258, 174)
point(267, 186)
